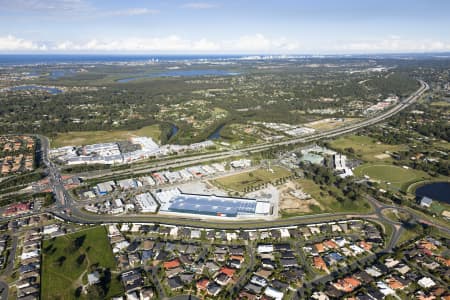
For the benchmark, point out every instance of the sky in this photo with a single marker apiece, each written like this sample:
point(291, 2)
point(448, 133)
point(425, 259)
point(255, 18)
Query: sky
point(224, 26)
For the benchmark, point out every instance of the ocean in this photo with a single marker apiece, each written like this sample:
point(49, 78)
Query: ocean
point(52, 59)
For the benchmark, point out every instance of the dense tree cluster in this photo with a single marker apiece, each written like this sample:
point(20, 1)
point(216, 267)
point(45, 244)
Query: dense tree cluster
point(272, 91)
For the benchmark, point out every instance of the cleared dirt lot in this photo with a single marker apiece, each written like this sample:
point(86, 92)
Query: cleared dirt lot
point(289, 203)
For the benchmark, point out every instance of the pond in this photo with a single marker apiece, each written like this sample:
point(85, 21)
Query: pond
point(182, 73)
point(173, 131)
point(57, 74)
point(216, 134)
point(439, 191)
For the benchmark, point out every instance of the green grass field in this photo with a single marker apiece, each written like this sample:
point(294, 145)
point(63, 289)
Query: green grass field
point(407, 235)
point(442, 144)
point(438, 207)
point(239, 182)
point(63, 265)
point(440, 103)
point(75, 138)
point(329, 203)
point(365, 147)
point(389, 175)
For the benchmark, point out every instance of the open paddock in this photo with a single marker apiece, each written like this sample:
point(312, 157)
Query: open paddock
point(78, 138)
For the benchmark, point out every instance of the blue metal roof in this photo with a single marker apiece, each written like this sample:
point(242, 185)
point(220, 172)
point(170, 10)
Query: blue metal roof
point(212, 205)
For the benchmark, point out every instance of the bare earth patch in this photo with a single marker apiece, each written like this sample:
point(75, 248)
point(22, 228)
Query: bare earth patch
point(382, 156)
point(292, 204)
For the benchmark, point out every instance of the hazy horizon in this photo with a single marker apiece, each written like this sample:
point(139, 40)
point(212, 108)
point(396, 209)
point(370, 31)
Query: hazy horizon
point(224, 27)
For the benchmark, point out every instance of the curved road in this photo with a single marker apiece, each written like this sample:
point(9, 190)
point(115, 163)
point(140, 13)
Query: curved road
point(65, 208)
point(177, 162)
point(65, 201)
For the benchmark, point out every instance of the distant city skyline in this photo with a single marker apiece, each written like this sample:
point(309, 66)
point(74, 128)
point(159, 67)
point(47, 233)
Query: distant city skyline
point(224, 27)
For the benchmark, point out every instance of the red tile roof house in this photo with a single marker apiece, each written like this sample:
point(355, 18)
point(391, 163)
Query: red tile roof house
point(202, 284)
point(347, 284)
point(330, 244)
point(228, 271)
point(320, 264)
point(171, 264)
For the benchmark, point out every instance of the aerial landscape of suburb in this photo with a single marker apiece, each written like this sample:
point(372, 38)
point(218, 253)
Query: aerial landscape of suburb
point(254, 150)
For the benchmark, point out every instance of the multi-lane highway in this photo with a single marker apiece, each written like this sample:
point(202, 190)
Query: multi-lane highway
point(196, 159)
point(66, 210)
point(65, 200)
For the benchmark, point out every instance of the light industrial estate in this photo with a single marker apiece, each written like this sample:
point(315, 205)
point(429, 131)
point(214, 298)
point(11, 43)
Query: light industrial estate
point(209, 205)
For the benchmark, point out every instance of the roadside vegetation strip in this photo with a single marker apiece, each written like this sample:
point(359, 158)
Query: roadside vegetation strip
point(430, 219)
point(75, 138)
point(388, 230)
point(87, 218)
point(407, 235)
point(330, 203)
point(65, 259)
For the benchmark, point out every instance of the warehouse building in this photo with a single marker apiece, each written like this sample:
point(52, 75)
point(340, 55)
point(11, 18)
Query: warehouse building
point(104, 188)
point(146, 203)
point(210, 205)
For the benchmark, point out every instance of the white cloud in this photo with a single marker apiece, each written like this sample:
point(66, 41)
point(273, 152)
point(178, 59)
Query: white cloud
point(12, 43)
point(205, 45)
point(253, 43)
point(132, 12)
point(174, 43)
point(260, 43)
point(199, 5)
point(257, 43)
point(392, 44)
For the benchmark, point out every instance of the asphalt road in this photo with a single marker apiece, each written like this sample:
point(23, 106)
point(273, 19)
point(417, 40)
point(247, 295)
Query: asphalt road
point(4, 289)
point(157, 283)
point(179, 162)
point(12, 255)
point(67, 211)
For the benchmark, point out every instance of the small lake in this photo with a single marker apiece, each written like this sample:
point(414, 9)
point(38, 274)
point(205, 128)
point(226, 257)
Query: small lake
point(57, 74)
point(50, 90)
point(173, 131)
point(216, 134)
point(439, 191)
point(182, 73)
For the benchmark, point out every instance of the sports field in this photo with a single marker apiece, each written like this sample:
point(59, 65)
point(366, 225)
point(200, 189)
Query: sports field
point(389, 175)
point(365, 147)
point(78, 138)
point(239, 182)
point(66, 260)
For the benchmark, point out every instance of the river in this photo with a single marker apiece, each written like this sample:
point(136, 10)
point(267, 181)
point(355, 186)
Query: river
point(216, 134)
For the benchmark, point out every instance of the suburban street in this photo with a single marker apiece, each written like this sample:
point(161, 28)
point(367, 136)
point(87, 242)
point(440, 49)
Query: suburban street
point(66, 210)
